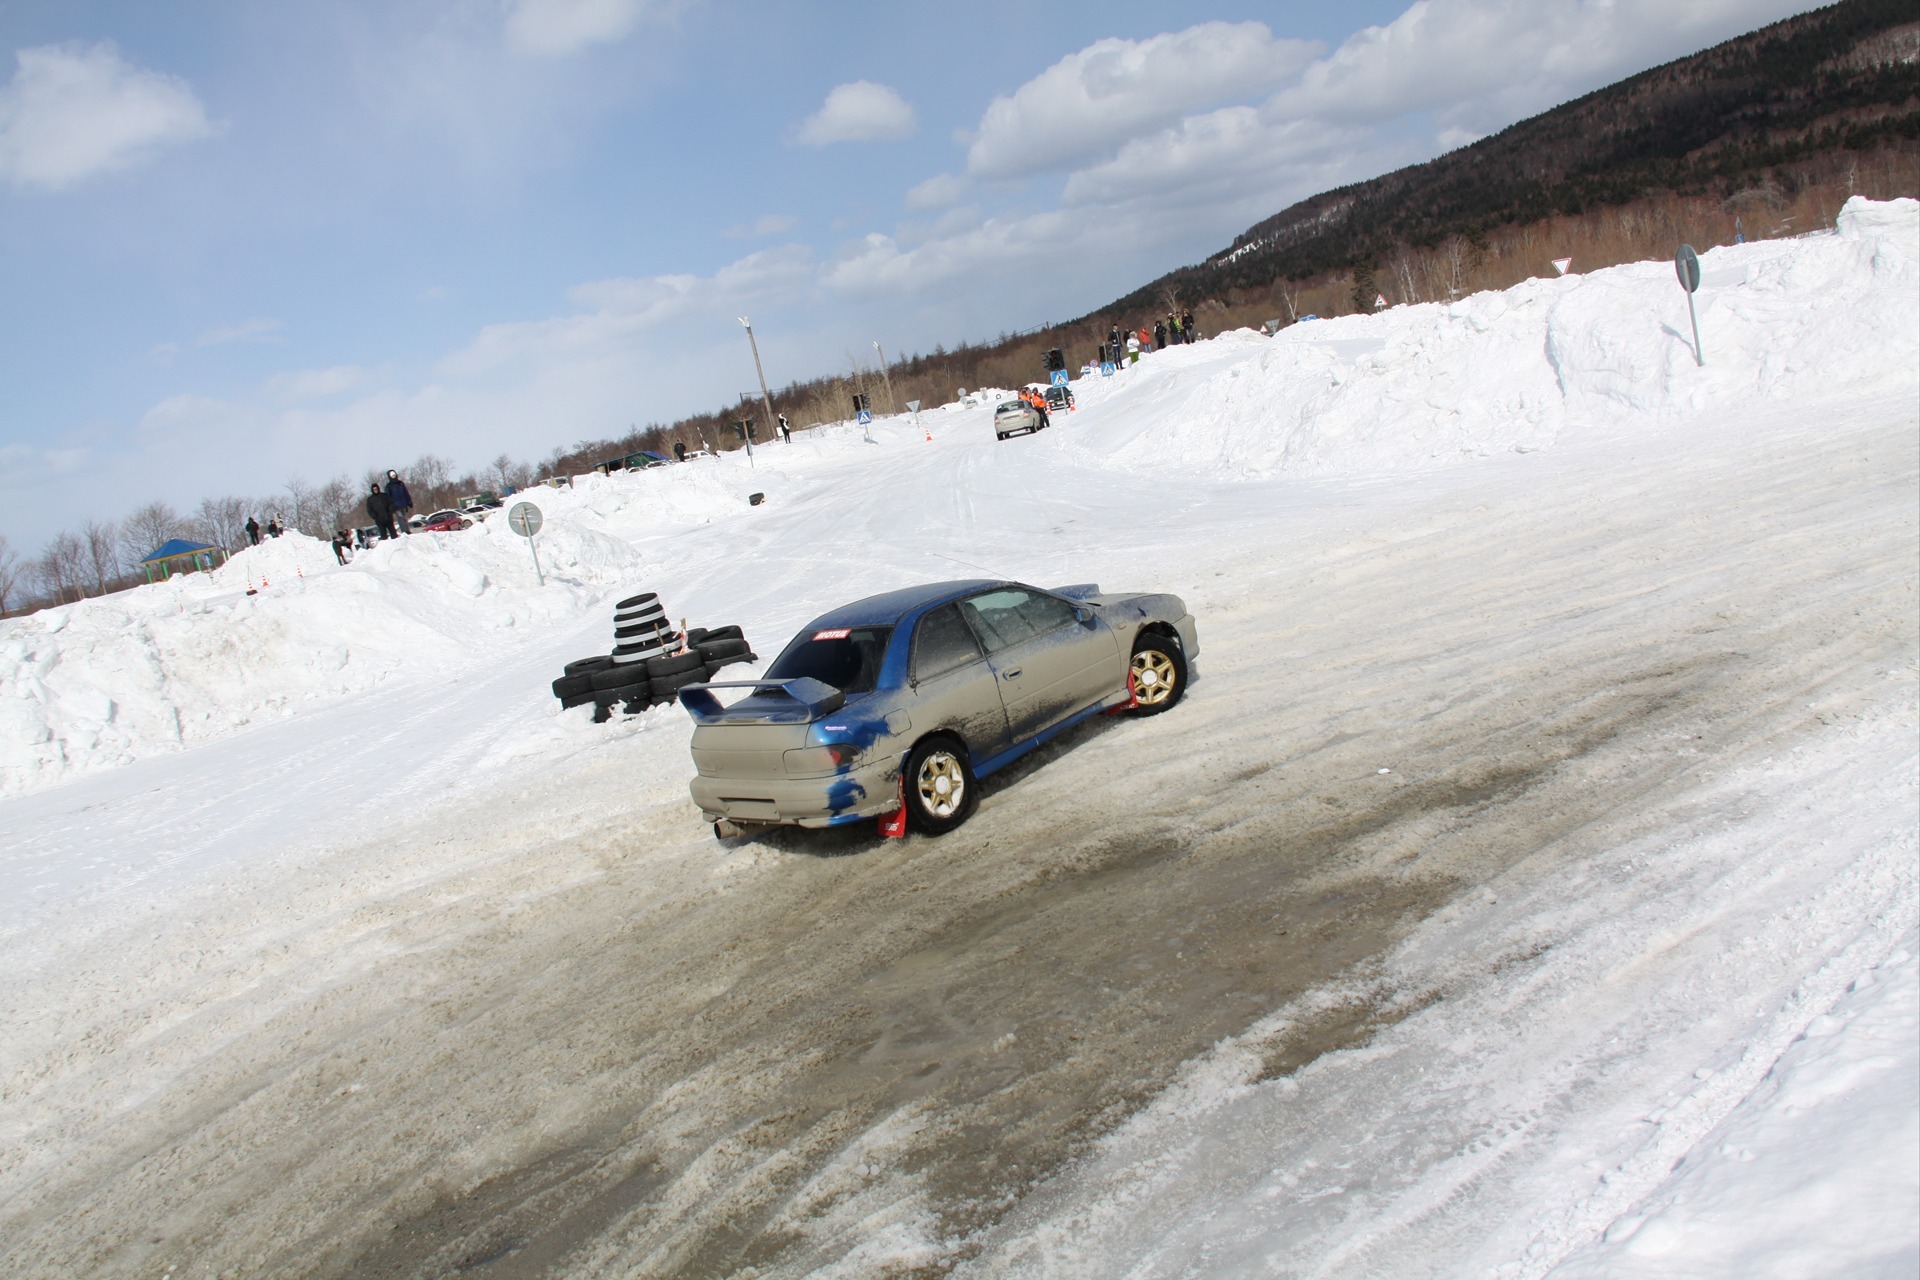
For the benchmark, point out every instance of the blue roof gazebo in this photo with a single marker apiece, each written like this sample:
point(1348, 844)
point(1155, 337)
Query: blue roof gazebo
point(179, 556)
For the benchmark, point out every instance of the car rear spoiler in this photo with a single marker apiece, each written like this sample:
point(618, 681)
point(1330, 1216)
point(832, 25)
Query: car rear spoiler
point(797, 701)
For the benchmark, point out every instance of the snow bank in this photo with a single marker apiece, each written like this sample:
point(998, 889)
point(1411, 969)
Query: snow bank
point(1428, 385)
point(108, 681)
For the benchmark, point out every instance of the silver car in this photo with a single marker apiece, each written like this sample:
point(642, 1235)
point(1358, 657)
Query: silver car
point(1015, 416)
point(908, 699)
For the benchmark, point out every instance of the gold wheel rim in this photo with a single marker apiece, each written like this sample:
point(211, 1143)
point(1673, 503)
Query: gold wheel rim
point(942, 784)
point(1153, 677)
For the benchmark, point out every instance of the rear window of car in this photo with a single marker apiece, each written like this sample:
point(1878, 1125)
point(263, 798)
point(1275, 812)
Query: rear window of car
point(848, 658)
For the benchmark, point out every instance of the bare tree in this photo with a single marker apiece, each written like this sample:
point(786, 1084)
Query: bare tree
point(222, 522)
point(336, 502)
point(100, 545)
point(427, 479)
point(58, 567)
point(147, 529)
point(12, 569)
point(501, 473)
point(1404, 277)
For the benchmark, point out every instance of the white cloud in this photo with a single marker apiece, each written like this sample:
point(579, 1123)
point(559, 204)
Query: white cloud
point(318, 384)
point(1483, 64)
point(620, 313)
point(73, 112)
point(1114, 90)
point(883, 264)
point(1233, 153)
point(937, 192)
point(859, 112)
point(556, 28)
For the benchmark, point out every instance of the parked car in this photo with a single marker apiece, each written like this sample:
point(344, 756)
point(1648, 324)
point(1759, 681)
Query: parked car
point(908, 699)
point(1014, 416)
point(447, 521)
point(1059, 399)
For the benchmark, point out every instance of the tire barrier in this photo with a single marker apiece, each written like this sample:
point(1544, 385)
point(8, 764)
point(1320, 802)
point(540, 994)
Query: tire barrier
point(650, 661)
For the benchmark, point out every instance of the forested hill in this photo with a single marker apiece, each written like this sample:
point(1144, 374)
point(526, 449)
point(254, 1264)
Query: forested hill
point(1782, 105)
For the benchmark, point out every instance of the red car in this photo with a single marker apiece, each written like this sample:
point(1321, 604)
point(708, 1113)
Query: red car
point(445, 522)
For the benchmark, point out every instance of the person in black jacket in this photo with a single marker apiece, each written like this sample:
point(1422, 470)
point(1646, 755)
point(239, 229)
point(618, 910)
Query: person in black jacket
point(253, 532)
point(380, 511)
point(399, 500)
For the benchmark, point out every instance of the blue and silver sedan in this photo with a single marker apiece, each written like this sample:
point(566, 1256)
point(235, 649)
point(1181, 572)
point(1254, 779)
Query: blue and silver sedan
point(908, 699)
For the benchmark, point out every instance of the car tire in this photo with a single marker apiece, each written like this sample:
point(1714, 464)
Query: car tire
point(582, 666)
point(678, 664)
point(1157, 673)
point(667, 688)
point(567, 686)
point(699, 635)
point(576, 700)
point(714, 665)
point(618, 676)
point(941, 791)
point(636, 602)
point(712, 650)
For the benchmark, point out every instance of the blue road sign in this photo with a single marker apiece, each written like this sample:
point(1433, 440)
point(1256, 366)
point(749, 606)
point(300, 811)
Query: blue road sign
point(1059, 377)
point(1106, 368)
point(864, 418)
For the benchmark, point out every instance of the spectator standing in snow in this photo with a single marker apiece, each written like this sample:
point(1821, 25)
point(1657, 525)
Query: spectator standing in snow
point(380, 511)
point(274, 527)
point(786, 432)
point(1133, 348)
point(399, 500)
point(1186, 326)
point(253, 532)
point(679, 451)
point(340, 545)
point(1159, 335)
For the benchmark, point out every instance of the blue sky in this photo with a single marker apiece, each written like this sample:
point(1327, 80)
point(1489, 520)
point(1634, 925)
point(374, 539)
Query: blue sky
point(243, 242)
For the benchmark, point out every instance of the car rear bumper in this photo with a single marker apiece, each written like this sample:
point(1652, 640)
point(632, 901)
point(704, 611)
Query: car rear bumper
point(865, 791)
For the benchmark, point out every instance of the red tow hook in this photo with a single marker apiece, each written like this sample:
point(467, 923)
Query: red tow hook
point(894, 825)
point(1133, 698)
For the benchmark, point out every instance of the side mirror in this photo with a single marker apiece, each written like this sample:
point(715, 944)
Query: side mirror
point(1083, 616)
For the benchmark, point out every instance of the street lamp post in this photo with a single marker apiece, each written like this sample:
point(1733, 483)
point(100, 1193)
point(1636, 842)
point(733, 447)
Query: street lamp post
point(766, 401)
point(892, 406)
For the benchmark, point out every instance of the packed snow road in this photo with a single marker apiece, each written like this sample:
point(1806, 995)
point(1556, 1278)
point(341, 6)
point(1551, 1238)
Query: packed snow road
point(1522, 815)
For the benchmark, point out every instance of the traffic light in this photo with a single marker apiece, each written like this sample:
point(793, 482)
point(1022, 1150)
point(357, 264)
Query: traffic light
point(859, 403)
point(1055, 361)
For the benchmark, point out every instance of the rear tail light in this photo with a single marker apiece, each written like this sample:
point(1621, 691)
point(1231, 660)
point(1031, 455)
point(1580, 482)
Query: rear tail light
point(813, 760)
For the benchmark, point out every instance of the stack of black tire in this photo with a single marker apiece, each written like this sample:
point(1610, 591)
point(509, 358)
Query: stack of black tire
point(650, 661)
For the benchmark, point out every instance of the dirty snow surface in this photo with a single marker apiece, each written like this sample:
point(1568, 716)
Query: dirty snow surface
point(1525, 887)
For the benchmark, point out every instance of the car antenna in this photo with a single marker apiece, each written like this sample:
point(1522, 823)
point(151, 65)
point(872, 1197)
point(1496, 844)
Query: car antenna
point(970, 564)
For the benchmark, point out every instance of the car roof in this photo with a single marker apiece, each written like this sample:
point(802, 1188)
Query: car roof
point(889, 607)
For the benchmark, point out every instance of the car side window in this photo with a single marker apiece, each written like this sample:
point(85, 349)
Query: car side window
point(1013, 614)
point(942, 643)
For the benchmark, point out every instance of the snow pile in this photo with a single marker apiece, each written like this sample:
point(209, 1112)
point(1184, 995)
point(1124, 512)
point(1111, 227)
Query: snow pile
point(1427, 385)
point(112, 680)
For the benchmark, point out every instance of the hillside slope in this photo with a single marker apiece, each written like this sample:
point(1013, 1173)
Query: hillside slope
point(1765, 110)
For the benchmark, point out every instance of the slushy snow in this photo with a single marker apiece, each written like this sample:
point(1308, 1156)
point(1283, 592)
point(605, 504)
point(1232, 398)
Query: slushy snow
point(1695, 1052)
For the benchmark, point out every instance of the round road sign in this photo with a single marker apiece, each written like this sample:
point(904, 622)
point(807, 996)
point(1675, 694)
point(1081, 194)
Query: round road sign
point(1686, 265)
point(524, 519)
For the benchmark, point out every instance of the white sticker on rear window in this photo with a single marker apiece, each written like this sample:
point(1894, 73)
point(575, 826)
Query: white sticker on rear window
point(840, 633)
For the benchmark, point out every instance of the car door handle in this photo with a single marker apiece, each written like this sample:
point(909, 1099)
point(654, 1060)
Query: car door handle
point(1011, 675)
